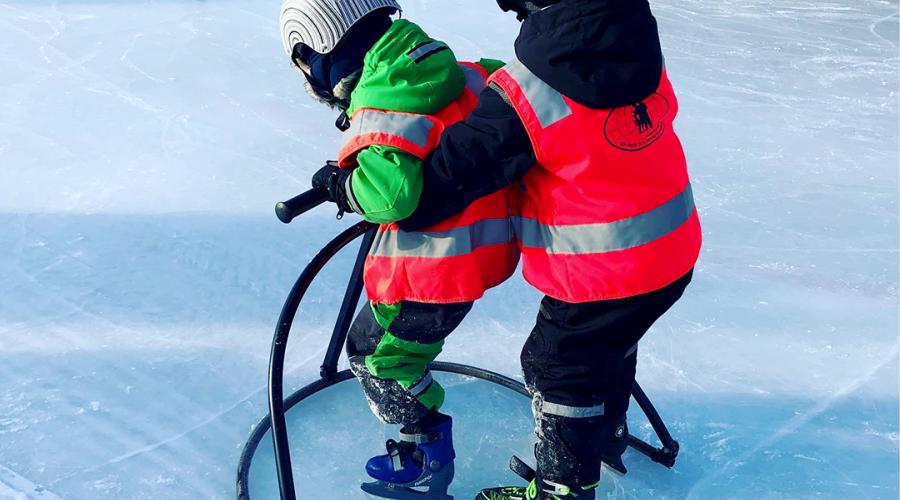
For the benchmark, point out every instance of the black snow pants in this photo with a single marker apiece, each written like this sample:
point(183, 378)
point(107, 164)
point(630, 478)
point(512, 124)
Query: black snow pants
point(579, 364)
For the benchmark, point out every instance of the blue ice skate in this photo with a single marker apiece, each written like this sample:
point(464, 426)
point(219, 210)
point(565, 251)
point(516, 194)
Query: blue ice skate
point(418, 467)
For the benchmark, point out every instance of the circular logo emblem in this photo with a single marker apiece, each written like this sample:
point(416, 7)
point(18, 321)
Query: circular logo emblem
point(634, 127)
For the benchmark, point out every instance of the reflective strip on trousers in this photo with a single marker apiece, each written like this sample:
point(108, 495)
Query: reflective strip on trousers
point(607, 236)
point(422, 385)
point(414, 128)
point(453, 242)
point(415, 438)
point(474, 80)
point(548, 104)
point(559, 410)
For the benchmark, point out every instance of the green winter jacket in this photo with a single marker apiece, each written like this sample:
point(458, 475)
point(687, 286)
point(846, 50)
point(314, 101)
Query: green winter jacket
point(386, 185)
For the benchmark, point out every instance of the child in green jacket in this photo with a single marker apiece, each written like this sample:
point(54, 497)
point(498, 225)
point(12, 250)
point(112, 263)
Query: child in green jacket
point(354, 57)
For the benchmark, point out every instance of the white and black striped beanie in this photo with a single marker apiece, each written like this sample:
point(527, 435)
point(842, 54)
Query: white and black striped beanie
point(321, 24)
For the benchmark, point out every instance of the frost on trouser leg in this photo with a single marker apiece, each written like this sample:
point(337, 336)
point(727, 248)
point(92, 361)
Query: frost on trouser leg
point(568, 450)
point(389, 401)
point(390, 347)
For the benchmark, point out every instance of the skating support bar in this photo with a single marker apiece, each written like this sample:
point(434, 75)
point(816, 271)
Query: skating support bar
point(278, 405)
point(279, 347)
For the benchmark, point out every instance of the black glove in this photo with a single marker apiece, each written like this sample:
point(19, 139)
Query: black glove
point(334, 179)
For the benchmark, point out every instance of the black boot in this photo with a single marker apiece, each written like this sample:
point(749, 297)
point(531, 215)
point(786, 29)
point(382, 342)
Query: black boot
point(537, 489)
point(615, 442)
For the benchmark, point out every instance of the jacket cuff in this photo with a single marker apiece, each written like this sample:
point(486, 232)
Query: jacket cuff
point(345, 189)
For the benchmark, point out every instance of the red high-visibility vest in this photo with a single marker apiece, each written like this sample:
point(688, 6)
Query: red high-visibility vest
point(608, 211)
point(456, 260)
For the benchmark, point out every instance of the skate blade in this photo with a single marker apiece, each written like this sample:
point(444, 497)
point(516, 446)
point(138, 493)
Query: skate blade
point(379, 489)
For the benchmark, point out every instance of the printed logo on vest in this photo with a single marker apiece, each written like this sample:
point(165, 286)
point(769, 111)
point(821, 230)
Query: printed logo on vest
point(635, 127)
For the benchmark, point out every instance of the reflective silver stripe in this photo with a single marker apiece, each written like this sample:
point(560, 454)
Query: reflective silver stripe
point(607, 236)
point(414, 128)
point(348, 188)
point(571, 411)
point(548, 104)
point(415, 438)
point(474, 80)
point(456, 241)
point(423, 50)
point(422, 385)
point(631, 351)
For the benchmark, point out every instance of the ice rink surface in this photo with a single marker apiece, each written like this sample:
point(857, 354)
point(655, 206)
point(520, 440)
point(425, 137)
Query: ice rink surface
point(143, 144)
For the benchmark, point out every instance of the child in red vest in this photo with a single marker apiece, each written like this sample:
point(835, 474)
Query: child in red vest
point(397, 90)
point(582, 120)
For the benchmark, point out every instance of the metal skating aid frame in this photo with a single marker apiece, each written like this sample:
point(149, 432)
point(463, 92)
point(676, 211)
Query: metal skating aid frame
point(330, 376)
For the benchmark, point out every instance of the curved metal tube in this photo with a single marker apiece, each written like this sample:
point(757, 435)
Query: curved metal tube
point(279, 347)
point(259, 432)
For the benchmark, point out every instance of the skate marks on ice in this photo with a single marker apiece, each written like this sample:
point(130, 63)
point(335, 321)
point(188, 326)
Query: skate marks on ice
point(16, 487)
point(886, 29)
point(850, 437)
point(847, 451)
point(333, 434)
point(127, 341)
point(789, 119)
point(842, 450)
point(129, 74)
point(133, 348)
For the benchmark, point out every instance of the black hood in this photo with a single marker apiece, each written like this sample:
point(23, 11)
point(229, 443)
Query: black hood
point(600, 53)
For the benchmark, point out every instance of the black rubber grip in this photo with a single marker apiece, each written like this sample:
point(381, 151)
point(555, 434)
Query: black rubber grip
point(300, 204)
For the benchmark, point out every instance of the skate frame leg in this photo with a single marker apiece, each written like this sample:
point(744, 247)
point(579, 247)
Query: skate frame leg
point(283, 330)
point(348, 309)
point(668, 452)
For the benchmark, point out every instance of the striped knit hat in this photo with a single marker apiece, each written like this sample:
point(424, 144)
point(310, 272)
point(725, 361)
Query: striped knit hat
point(321, 24)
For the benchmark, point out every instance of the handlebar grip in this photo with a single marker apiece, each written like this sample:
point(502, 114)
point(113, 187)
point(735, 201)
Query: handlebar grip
point(300, 204)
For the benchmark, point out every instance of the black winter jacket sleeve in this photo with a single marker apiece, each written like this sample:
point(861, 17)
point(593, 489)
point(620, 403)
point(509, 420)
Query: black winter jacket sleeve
point(487, 152)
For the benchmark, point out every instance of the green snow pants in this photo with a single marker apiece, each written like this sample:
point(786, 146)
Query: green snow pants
point(390, 347)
